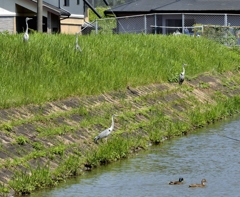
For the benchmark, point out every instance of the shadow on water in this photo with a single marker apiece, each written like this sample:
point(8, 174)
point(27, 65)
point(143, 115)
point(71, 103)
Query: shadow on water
point(209, 153)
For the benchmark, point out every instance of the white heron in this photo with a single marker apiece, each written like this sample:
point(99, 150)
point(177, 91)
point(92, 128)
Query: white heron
point(106, 132)
point(77, 47)
point(26, 36)
point(182, 75)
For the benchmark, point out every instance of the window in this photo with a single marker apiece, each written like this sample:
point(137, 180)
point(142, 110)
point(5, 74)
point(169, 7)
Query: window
point(66, 3)
point(78, 2)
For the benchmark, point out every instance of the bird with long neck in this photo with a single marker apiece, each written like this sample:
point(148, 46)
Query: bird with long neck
point(77, 47)
point(182, 75)
point(106, 132)
point(26, 36)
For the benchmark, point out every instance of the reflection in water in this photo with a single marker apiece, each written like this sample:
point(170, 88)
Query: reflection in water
point(205, 154)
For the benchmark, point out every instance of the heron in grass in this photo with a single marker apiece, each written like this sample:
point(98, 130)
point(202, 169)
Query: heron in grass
point(182, 75)
point(77, 47)
point(132, 90)
point(106, 132)
point(26, 36)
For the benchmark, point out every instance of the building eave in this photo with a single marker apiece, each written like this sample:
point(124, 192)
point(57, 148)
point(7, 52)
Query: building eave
point(4, 12)
point(57, 10)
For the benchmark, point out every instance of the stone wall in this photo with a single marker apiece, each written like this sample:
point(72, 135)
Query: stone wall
point(7, 24)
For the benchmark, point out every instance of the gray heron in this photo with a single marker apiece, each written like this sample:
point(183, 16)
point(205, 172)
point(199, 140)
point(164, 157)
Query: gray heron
point(77, 47)
point(199, 185)
point(180, 181)
point(106, 132)
point(182, 75)
point(26, 36)
point(132, 91)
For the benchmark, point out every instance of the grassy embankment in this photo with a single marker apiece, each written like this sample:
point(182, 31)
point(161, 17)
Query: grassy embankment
point(55, 143)
point(48, 68)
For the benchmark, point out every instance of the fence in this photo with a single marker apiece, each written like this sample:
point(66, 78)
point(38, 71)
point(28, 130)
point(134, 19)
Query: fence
point(224, 28)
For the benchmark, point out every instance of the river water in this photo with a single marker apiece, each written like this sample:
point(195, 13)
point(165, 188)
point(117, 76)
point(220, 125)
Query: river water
point(208, 153)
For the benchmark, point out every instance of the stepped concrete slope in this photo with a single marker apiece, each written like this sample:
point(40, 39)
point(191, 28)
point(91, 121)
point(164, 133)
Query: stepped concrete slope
point(33, 135)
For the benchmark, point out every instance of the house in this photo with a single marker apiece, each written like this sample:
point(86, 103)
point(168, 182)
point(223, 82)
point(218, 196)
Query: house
point(65, 16)
point(173, 13)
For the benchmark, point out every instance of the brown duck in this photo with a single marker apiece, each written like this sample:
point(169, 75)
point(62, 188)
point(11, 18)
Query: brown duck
point(180, 181)
point(199, 185)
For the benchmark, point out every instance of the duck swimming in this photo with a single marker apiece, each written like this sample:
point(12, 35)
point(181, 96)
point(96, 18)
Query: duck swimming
point(199, 185)
point(180, 181)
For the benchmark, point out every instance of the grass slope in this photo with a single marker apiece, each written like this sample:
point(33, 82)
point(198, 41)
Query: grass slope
point(48, 67)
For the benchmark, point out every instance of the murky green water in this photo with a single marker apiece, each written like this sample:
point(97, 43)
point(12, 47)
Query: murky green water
point(205, 154)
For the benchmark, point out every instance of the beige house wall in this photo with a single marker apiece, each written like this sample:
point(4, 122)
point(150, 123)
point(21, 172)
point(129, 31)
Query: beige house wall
point(71, 25)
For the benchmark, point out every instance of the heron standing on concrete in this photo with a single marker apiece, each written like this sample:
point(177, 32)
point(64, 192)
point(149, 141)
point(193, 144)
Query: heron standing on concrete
point(182, 75)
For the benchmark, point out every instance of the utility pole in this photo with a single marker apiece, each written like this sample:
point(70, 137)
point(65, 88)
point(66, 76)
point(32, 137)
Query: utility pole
point(39, 15)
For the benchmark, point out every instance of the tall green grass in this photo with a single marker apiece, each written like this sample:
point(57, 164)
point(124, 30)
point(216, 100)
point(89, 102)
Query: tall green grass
point(25, 183)
point(48, 67)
